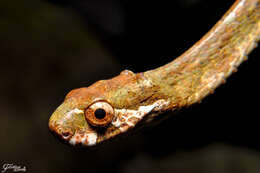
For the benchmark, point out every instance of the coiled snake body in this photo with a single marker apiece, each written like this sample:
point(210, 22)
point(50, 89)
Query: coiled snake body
point(107, 108)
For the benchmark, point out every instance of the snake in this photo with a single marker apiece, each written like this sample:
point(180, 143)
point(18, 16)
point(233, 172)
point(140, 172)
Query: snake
point(91, 115)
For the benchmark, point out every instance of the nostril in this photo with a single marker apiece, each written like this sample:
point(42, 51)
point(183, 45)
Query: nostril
point(65, 134)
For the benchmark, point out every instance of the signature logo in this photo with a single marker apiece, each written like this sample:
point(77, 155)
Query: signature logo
point(13, 167)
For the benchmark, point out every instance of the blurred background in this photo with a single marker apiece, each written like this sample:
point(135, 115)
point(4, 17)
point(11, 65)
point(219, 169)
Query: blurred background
point(49, 47)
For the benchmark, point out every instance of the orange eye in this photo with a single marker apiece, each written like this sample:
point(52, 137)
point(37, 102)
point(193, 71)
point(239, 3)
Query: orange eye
point(99, 114)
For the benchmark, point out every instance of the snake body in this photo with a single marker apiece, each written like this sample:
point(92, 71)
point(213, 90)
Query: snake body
point(91, 115)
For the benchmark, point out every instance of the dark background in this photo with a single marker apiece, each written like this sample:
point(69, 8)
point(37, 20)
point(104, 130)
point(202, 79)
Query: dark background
point(49, 47)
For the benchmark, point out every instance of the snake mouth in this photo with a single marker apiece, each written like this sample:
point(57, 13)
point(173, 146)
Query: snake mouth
point(84, 138)
point(76, 138)
point(57, 130)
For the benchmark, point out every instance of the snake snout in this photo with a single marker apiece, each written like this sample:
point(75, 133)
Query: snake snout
point(61, 132)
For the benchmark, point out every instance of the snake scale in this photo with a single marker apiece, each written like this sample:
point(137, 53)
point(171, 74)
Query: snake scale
point(108, 108)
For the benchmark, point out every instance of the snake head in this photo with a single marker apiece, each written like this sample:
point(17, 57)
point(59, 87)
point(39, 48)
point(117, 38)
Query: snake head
point(91, 115)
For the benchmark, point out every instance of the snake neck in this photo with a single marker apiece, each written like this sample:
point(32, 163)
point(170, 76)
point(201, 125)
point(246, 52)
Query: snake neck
point(207, 64)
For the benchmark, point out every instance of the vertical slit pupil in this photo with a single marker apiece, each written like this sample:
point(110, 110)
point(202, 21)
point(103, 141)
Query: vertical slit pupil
point(100, 113)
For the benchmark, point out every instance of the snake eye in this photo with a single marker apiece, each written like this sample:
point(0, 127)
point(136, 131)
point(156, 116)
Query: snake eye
point(99, 114)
